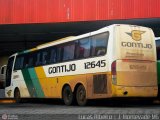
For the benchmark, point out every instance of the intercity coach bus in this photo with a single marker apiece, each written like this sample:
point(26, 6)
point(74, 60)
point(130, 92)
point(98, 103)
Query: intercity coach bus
point(158, 63)
point(114, 61)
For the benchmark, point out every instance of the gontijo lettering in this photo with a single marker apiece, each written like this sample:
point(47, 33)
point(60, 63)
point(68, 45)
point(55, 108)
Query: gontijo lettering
point(136, 45)
point(62, 68)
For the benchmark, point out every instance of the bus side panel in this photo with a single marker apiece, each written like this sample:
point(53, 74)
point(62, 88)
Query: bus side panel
point(48, 84)
point(18, 81)
point(52, 86)
point(72, 81)
point(36, 83)
point(99, 85)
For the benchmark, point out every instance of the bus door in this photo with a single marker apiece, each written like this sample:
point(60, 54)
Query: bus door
point(9, 75)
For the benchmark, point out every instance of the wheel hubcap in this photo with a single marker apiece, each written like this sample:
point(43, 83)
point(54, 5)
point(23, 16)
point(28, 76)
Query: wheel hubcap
point(82, 95)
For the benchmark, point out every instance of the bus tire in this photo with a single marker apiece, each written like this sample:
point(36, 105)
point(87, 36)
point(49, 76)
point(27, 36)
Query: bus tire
point(81, 96)
point(67, 95)
point(17, 95)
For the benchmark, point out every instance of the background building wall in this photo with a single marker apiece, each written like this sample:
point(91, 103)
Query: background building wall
point(49, 11)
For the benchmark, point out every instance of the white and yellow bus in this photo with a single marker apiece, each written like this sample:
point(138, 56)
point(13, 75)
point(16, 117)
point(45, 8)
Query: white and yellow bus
point(115, 61)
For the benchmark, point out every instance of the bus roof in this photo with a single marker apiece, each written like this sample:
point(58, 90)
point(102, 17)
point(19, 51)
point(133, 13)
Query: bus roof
point(36, 48)
point(62, 39)
point(48, 44)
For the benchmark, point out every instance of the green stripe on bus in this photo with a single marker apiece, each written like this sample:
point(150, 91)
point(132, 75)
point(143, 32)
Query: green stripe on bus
point(29, 83)
point(36, 82)
point(22, 52)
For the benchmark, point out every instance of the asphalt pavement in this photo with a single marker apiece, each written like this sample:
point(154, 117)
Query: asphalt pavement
point(2, 93)
point(96, 110)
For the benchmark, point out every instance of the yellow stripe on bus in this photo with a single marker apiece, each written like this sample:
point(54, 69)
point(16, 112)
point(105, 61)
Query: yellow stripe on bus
point(33, 49)
point(41, 76)
point(48, 84)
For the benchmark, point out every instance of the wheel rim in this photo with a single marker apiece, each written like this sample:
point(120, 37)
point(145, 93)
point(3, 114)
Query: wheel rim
point(81, 95)
point(67, 95)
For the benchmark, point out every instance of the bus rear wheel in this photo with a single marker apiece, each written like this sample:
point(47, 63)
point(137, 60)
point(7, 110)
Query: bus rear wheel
point(81, 95)
point(17, 95)
point(67, 95)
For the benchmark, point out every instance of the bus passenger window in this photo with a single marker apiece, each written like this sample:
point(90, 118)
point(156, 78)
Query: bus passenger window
point(19, 63)
point(53, 56)
point(38, 61)
point(60, 53)
point(83, 48)
point(26, 61)
point(30, 62)
point(68, 53)
point(44, 57)
point(99, 44)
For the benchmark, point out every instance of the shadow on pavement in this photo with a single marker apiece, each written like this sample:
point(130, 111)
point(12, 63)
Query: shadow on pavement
point(101, 102)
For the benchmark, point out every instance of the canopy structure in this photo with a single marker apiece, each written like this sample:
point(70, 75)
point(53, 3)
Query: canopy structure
point(27, 23)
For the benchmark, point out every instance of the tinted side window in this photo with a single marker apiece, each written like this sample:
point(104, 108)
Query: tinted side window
point(38, 58)
point(26, 61)
point(158, 49)
point(53, 55)
point(68, 53)
point(30, 61)
point(60, 49)
point(19, 64)
point(45, 57)
point(83, 48)
point(99, 44)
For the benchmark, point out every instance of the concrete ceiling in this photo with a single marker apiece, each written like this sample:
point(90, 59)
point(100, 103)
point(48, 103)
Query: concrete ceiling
point(14, 38)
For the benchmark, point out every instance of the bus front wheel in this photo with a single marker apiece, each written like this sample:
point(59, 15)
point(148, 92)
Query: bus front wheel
point(17, 95)
point(81, 95)
point(67, 95)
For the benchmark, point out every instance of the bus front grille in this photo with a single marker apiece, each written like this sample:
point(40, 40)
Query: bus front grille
point(100, 84)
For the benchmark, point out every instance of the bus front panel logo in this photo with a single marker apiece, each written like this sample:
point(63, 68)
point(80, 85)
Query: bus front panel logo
point(136, 34)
